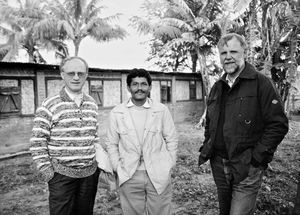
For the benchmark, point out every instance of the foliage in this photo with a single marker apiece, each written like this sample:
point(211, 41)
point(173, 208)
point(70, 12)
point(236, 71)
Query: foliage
point(181, 29)
point(21, 27)
point(165, 56)
point(76, 20)
point(271, 28)
point(36, 24)
point(168, 56)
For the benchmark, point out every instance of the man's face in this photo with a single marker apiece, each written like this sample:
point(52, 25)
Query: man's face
point(74, 75)
point(139, 89)
point(232, 56)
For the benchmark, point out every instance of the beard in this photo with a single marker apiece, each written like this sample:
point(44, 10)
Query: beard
point(232, 71)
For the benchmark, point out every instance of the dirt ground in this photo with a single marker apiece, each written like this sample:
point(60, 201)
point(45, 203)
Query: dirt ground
point(194, 192)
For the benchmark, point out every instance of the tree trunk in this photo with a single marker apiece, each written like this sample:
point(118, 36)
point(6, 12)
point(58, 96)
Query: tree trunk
point(205, 76)
point(194, 61)
point(264, 29)
point(176, 65)
point(76, 45)
point(30, 58)
point(292, 71)
point(250, 36)
point(30, 52)
point(206, 84)
point(76, 49)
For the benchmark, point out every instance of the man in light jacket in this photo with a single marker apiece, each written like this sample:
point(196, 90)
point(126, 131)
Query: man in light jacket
point(142, 146)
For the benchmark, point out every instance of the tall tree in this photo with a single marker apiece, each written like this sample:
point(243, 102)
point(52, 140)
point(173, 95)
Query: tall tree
point(169, 57)
point(77, 19)
point(272, 32)
point(173, 57)
point(185, 23)
point(281, 43)
point(20, 25)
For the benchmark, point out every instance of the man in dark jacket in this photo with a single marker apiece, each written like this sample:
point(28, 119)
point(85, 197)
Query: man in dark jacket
point(245, 122)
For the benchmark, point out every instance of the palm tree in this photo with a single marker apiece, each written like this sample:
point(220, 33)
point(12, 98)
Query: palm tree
point(203, 24)
point(189, 23)
point(166, 55)
point(277, 33)
point(21, 26)
point(77, 19)
point(280, 31)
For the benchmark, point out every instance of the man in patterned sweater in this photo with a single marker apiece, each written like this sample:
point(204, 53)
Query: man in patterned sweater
point(63, 143)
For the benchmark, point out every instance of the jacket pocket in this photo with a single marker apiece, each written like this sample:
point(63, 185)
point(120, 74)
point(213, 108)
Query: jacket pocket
point(155, 135)
point(247, 108)
point(162, 164)
point(244, 125)
point(154, 129)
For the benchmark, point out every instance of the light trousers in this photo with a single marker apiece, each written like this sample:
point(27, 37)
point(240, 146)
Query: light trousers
point(138, 196)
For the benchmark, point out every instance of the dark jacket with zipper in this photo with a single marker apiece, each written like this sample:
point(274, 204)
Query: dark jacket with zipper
point(254, 123)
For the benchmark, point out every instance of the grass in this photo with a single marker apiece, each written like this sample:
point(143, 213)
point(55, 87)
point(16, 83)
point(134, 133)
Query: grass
point(194, 192)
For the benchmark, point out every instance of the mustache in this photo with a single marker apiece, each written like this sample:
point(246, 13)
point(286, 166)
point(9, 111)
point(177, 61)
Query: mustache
point(140, 91)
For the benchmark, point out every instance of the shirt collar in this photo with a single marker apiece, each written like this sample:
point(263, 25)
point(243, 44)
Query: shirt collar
point(72, 95)
point(230, 82)
point(145, 105)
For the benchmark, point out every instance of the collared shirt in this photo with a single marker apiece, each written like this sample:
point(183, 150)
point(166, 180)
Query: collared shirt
point(139, 115)
point(77, 98)
point(145, 105)
point(231, 81)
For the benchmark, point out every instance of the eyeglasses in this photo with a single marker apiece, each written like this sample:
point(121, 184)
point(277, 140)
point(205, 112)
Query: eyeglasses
point(72, 74)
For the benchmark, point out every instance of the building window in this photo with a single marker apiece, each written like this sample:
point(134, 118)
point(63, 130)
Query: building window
point(96, 91)
point(10, 100)
point(165, 91)
point(192, 90)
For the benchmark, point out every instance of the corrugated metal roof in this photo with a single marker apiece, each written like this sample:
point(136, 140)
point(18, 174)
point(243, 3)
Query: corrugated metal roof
point(38, 66)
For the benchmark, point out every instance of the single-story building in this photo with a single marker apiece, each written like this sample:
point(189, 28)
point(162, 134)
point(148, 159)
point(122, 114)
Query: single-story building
point(23, 86)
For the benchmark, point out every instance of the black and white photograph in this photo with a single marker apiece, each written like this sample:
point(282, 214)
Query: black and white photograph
point(150, 107)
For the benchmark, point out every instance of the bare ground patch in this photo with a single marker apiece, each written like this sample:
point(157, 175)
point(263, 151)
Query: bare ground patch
point(194, 192)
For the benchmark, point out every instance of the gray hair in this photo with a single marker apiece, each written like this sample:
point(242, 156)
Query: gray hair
point(224, 39)
point(64, 61)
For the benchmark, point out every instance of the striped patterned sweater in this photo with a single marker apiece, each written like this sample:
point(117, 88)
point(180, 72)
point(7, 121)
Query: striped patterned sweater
point(64, 136)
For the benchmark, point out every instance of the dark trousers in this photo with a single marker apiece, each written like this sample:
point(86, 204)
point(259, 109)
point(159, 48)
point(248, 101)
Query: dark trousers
point(235, 199)
point(72, 196)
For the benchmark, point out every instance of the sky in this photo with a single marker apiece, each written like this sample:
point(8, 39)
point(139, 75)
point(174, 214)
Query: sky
point(128, 53)
point(131, 52)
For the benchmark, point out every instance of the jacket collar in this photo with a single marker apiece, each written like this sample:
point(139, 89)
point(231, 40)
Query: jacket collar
point(147, 104)
point(247, 73)
point(154, 106)
point(150, 119)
